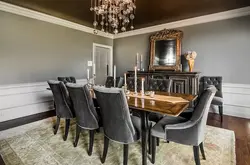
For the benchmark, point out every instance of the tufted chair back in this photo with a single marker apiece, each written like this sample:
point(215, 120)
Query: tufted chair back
point(110, 82)
point(131, 84)
point(160, 85)
point(67, 79)
point(215, 81)
point(73, 79)
point(117, 123)
point(86, 115)
point(62, 100)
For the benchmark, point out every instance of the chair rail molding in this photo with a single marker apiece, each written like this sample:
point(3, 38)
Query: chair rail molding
point(20, 100)
point(236, 100)
point(48, 18)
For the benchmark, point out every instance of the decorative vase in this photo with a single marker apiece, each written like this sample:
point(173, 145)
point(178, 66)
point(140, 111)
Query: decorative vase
point(190, 56)
point(191, 65)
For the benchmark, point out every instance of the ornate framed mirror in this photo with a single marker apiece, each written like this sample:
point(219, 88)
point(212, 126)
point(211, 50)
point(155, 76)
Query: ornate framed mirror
point(165, 50)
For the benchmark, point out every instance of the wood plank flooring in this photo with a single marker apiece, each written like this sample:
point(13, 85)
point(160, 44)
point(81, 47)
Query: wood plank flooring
point(1, 161)
point(241, 127)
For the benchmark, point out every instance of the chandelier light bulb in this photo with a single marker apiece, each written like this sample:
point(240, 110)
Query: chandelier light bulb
point(116, 31)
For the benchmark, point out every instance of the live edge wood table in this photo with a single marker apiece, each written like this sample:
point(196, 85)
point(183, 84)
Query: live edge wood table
point(145, 106)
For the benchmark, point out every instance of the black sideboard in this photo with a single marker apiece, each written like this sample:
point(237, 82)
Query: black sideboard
point(182, 82)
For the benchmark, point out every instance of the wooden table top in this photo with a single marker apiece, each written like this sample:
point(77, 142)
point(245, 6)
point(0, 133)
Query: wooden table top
point(163, 107)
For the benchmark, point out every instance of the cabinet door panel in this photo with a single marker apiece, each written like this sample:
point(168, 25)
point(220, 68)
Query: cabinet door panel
point(180, 85)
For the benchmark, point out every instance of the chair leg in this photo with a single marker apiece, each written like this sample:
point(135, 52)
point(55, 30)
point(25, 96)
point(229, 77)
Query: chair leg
point(125, 154)
point(153, 149)
point(202, 151)
point(78, 130)
point(91, 141)
point(221, 112)
point(105, 150)
point(196, 155)
point(57, 125)
point(67, 123)
point(157, 141)
point(149, 141)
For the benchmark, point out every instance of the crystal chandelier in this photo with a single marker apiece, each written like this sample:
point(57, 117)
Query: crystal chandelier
point(113, 15)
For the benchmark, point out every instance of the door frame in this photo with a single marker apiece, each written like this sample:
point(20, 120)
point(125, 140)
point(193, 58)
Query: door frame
point(111, 56)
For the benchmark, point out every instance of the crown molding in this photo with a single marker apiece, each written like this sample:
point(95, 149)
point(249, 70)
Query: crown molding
point(188, 22)
point(177, 24)
point(48, 18)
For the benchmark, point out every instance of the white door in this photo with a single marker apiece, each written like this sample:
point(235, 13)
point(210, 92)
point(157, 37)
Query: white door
point(102, 61)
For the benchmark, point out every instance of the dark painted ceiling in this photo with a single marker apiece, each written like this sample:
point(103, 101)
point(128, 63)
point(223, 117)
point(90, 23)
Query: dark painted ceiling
point(149, 12)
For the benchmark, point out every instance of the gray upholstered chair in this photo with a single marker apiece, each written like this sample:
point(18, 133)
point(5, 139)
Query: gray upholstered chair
point(118, 124)
point(184, 131)
point(70, 79)
point(110, 82)
point(163, 85)
point(63, 105)
point(131, 84)
point(218, 98)
point(86, 115)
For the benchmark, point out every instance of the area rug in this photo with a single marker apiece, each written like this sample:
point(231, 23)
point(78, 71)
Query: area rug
point(35, 143)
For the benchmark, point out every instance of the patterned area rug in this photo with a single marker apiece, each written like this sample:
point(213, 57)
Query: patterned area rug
point(35, 143)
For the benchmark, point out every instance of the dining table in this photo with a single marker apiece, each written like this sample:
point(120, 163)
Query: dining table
point(171, 104)
point(165, 103)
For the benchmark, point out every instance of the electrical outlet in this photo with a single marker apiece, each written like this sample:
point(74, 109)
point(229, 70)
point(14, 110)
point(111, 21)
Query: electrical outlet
point(90, 63)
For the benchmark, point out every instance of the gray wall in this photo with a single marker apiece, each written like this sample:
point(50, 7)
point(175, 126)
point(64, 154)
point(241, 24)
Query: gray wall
point(223, 49)
point(34, 51)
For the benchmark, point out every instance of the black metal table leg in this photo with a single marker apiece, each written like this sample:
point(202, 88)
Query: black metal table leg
point(144, 129)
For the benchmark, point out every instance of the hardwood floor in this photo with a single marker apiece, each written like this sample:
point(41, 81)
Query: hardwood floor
point(1, 161)
point(241, 127)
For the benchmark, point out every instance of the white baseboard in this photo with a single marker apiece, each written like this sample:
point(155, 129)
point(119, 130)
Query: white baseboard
point(236, 100)
point(20, 100)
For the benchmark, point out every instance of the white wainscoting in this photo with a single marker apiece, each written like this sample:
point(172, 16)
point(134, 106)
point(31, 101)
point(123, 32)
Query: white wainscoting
point(21, 100)
point(236, 100)
point(27, 99)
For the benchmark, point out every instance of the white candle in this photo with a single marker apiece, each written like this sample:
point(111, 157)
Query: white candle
point(125, 79)
point(114, 75)
point(114, 71)
point(135, 79)
point(88, 74)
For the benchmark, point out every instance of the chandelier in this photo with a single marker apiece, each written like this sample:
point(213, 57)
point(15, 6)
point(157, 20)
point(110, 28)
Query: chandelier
point(113, 15)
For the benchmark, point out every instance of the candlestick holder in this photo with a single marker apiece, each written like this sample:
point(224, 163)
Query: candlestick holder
point(114, 82)
point(142, 86)
point(94, 76)
point(125, 88)
point(88, 81)
point(136, 86)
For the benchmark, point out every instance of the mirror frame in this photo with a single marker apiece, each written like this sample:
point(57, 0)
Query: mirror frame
point(164, 35)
